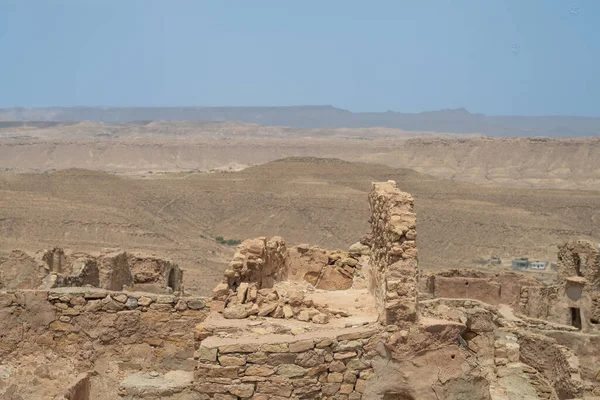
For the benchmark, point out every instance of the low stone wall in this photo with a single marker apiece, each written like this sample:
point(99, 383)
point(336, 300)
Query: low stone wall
point(310, 368)
point(489, 286)
point(393, 253)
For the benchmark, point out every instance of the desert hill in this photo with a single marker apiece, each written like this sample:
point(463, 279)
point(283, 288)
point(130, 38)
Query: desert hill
point(182, 146)
point(314, 200)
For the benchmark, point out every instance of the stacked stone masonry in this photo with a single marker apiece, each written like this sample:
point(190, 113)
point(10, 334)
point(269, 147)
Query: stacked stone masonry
point(293, 344)
point(111, 270)
point(393, 253)
point(313, 368)
point(575, 299)
point(266, 279)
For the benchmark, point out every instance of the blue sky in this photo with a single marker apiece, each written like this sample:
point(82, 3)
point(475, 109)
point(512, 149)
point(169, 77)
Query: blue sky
point(533, 57)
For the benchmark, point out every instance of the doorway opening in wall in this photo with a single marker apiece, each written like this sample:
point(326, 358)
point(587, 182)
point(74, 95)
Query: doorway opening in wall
point(576, 317)
point(579, 262)
point(172, 281)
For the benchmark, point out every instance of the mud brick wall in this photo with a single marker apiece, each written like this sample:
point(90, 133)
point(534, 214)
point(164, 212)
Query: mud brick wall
point(393, 253)
point(329, 368)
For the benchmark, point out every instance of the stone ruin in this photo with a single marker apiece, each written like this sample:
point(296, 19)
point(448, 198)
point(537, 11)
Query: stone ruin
point(267, 279)
point(115, 270)
point(303, 322)
point(575, 299)
point(393, 254)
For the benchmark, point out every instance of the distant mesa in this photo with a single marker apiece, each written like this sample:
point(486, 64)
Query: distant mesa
point(458, 120)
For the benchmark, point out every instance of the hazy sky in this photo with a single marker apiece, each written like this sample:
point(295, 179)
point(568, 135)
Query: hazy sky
point(496, 57)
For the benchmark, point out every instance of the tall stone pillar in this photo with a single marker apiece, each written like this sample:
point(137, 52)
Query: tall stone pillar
point(393, 253)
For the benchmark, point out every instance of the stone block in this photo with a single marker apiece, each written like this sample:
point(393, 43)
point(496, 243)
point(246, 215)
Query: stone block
point(301, 346)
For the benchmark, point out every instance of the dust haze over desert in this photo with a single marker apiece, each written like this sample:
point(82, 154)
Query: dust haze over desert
point(266, 200)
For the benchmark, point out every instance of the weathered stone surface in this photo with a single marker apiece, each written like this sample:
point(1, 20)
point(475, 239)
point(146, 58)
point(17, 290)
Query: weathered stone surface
point(329, 389)
point(392, 217)
point(275, 387)
point(206, 354)
point(231, 361)
point(195, 304)
point(242, 390)
point(360, 385)
point(309, 359)
point(61, 326)
point(275, 348)
point(267, 309)
point(257, 358)
point(358, 335)
point(121, 298)
point(236, 311)
point(165, 299)
point(259, 370)
point(320, 318)
point(290, 370)
point(216, 371)
point(239, 348)
point(144, 301)
point(281, 358)
point(131, 303)
point(301, 346)
point(337, 366)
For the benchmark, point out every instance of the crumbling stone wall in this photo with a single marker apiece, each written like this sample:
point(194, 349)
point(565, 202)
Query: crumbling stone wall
point(579, 258)
point(557, 363)
point(544, 302)
point(575, 300)
point(266, 279)
point(259, 261)
point(393, 253)
point(118, 270)
point(54, 259)
point(490, 287)
point(324, 269)
point(152, 274)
